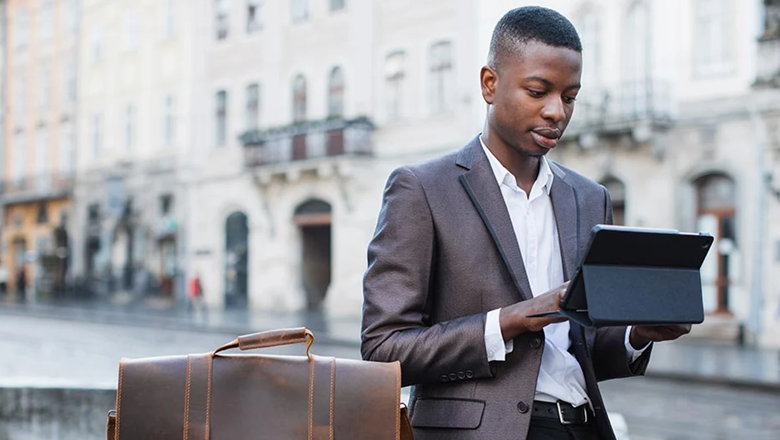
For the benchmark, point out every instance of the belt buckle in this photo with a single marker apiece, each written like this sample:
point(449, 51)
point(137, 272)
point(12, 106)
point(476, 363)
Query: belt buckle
point(560, 415)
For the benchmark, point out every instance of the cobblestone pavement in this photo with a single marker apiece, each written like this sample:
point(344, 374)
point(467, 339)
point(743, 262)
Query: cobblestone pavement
point(46, 352)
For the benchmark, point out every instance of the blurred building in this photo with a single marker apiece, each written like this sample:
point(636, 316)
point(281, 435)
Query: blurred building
point(39, 139)
point(135, 131)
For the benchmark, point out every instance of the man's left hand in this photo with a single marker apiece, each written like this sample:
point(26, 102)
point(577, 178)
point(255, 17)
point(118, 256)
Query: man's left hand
point(641, 335)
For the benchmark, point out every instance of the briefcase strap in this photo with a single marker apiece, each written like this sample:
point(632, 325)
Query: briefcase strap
point(197, 397)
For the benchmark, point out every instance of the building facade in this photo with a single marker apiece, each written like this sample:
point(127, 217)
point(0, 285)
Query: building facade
point(39, 138)
point(135, 131)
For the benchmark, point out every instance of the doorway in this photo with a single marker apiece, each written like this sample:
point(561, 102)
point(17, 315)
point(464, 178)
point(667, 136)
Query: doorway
point(314, 220)
point(236, 260)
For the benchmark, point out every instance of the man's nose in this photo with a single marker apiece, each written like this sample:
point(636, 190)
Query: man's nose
point(554, 110)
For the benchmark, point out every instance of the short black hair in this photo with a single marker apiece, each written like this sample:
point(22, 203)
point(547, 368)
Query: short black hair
point(531, 23)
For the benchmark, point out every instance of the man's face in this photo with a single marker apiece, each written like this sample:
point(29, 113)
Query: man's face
point(532, 96)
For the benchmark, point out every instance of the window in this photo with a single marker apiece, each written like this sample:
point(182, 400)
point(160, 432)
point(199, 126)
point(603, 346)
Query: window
point(221, 121)
point(97, 135)
point(300, 10)
point(20, 97)
point(69, 14)
point(42, 157)
point(129, 127)
point(67, 146)
point(69, 89)
point(299, 99)
point(130, 34)
point(222, 19)
point(713, 36)
point(336, 93)
point(716, 209)
point(394, 79)
point(43, 213)
point(46, 21)
point(44, 91)
point(21, 28)
point(19, 159)
point(336, 5)
point(253, 16)
point(166, 204)
point(617, 192)
point(252, 106)
point(636, 50)
point(589, 26)
point(169, 20)
point(169, 120)
point(441, 77)
point(97, 45)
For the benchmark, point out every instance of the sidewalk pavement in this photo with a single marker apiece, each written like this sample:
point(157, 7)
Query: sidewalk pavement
point(686, 360)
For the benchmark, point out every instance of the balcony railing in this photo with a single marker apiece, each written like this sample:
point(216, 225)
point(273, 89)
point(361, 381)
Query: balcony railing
point(39, 187)
point(623, 106)
point(308, 140)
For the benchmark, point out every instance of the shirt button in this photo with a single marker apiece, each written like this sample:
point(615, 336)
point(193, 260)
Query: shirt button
point(522, 407)
point(469, 374)
point(536, 343)
point(461, 375)
point(444, 378)
point(453, 376)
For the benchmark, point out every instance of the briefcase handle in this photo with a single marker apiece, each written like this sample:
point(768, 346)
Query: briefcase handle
point(271, 338)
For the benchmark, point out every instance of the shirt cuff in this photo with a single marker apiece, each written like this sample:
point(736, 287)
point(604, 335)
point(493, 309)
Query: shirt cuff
point(495, 346)
point(633, 353)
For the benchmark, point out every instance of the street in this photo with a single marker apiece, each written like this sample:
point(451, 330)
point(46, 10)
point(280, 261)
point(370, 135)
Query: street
point(44, 352)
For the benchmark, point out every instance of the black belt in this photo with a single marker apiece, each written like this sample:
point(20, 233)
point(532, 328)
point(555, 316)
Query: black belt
point(562, 412)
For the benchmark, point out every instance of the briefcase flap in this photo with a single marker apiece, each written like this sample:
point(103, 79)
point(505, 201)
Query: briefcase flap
point(226, 397)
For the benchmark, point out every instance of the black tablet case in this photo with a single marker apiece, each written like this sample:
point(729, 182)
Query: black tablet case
point(634, 276)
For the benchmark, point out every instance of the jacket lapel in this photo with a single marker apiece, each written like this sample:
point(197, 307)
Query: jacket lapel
point(567, 219)
point(481, 186)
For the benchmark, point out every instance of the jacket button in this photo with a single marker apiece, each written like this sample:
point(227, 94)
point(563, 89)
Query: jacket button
point(461, 375)
point(469, 374)
point(444, 378)
point(453, 376)
point(536, 342)
point(522, 407)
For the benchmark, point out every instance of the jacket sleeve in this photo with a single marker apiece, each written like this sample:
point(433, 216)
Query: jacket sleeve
point(610, 358)
point(397, 296)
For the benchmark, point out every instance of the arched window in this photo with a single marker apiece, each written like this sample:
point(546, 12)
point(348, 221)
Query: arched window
point(441, 76)
point(313, 217)
point(636, 60)
point(299, 99)
point(716, 213)
point(617, 192)
point(336, 93)
point(236, 260)
point(589, 25)
point(394, 84)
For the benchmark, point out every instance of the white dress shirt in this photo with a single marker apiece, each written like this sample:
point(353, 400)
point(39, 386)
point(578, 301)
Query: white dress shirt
point(533, 220)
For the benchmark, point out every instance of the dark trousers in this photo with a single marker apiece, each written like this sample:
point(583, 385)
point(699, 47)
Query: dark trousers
point(542, 429)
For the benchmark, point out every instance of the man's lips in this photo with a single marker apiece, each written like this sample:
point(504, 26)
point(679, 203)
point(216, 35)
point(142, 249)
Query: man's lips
point(546, 137)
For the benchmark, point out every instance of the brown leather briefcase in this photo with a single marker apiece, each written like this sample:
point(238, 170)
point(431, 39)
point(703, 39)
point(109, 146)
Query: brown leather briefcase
point(217, 396)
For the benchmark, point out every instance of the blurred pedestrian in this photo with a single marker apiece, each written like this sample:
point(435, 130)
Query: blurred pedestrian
point(21, 283)
point(195, 295)
point(3, 280)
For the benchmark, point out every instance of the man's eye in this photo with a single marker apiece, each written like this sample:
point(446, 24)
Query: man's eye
point(569, 99)
point(535, 93)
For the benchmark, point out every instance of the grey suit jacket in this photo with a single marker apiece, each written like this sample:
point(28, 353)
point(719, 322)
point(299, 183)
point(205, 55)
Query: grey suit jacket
point(444, 254)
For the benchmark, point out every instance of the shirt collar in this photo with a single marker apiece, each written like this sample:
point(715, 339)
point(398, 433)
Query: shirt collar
point(544, 178)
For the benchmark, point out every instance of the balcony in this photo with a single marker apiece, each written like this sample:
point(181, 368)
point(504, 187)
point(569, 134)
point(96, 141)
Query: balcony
point(36, 188)
point(635, 107)
point(308, 142)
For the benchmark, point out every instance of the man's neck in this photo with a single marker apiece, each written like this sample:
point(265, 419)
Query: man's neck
point(524, 168)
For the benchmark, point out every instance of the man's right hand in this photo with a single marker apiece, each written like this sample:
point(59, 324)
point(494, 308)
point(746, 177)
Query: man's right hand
point(514, 319)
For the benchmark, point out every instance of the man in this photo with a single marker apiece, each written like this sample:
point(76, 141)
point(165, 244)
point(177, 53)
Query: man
point(470, 244)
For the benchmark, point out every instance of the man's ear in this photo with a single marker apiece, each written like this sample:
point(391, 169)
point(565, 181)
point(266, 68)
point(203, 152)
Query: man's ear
point(488, 79)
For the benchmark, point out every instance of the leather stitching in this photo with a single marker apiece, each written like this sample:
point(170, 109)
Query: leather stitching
point(119, 397)
point(187, 401)
point(208, 402)
point(332, 392)
point(311, 397)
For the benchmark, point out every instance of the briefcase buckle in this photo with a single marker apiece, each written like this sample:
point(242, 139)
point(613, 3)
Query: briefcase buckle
point(563, 420)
